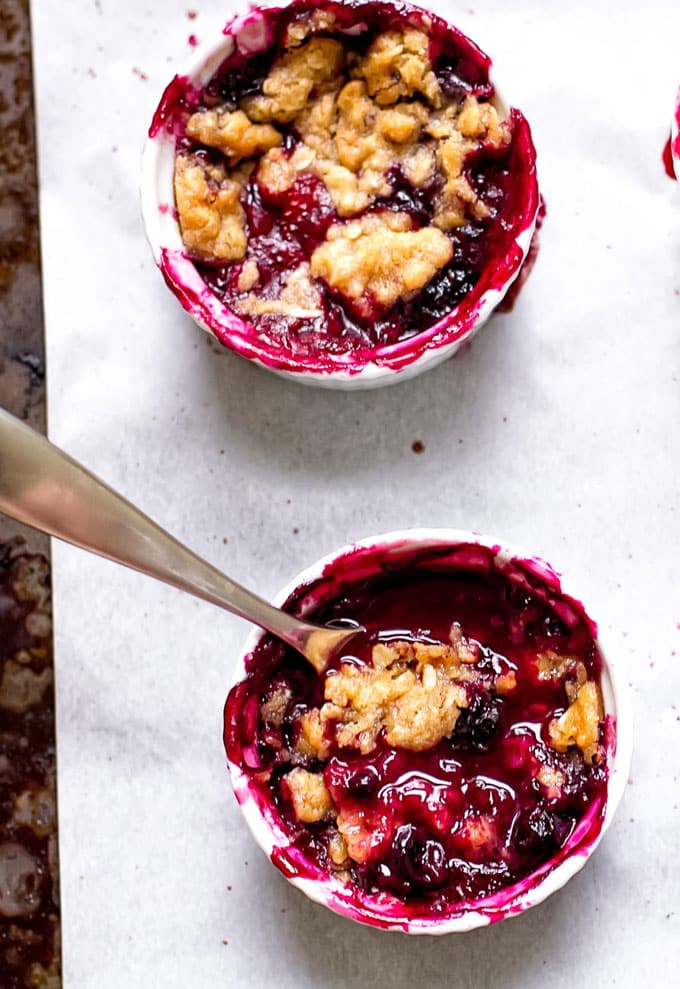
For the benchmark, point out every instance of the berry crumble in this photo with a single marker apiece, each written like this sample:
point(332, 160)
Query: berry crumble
point(450, 754)
point(349, 186)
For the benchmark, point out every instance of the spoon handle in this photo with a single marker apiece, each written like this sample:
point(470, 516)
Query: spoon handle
point(44, 488)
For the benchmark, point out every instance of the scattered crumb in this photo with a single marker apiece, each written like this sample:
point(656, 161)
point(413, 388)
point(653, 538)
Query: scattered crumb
point(193, 41)
point(192, 14)
point(418, 446)
point(140, 75)
point(296, 531)
point(92, 74)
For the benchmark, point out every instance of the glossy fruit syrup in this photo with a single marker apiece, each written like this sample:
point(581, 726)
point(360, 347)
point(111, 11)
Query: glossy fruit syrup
point(468, 817)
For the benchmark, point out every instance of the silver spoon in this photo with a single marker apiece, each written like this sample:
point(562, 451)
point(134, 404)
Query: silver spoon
point(44, 488)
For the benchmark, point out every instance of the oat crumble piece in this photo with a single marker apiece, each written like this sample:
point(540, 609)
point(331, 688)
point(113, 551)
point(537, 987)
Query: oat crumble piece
point(309, 795)
point(311, 739)
point(248, 276)
point(277, 170)
point(459, 134)
point(232, 133)
point(273, 709)
point(211, 218)
point(552, 666)
point(580, 723)
point(353, 146)
point(315, 22)
point(337, 849)
point(413, 691)
point(397, 65)
point(299, 298)
point(380, 255)
point(299, 72)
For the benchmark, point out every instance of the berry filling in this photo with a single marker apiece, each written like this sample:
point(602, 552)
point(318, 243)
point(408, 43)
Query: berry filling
point(350, 186)
point(450, 754)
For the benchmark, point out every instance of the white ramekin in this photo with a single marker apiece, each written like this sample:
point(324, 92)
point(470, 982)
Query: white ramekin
point(379, 911)
point(252, 33)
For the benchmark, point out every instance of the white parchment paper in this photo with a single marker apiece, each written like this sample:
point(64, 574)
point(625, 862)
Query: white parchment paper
point(558, 429)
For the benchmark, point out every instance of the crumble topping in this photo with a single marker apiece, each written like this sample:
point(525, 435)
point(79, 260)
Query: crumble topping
point(210, 213)
point(580, 723)
point(368, 124)
point(232, 133)
point(337, 849)
point(552, 666)
point(398, 64)
point(248, 276)
point(413, 691)
point(315, 21)
point(299, 298)
point(380, 255)
point(293, 78)
point(310, 798)
point(273, 709)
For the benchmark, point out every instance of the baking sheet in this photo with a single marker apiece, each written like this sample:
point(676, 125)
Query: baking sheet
point(557, 429)
point(29, 898)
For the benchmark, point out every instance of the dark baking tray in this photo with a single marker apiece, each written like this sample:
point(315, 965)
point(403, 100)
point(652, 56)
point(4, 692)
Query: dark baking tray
point(29, 910)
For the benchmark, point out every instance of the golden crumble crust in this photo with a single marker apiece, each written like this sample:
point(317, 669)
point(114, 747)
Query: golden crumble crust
point(211, 217)
point(397, 65)
point(300, 298)
point(299, 72)
point(232, 133)
point(311, 740)
point(273, 709)
point(248, 276)
point(413, 691)
point(381, 256)
point(360, 124)
point(580, 723)
point(309, 795)
point(552, 666)
point(314, 22)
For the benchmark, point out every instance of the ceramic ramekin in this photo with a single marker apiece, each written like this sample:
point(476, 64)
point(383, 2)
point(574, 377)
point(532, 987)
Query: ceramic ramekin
point(472, 552)
point(252, 34)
